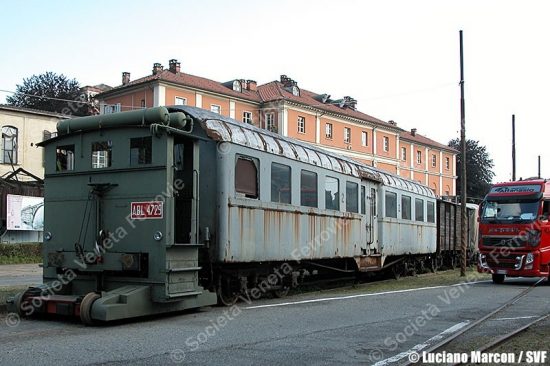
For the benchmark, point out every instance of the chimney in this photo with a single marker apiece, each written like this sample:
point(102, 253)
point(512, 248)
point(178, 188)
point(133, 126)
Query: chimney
point(157, 68)
point(288, 82)
point(125, 78)
point(174, 66)
point(392, 122)
point(251, 85)
point(413, 131)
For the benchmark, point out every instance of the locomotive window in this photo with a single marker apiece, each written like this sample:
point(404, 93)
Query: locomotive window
point(308, 188)
point(352, 196)
point(280, 183)
point(332, 193)
point(363, 201)
point(431, 212)
point(419, 209)
point(406, 207)
point(140, 150)
point(391, 204)
point(101, 154)
point(64, 158)
point(246, 177)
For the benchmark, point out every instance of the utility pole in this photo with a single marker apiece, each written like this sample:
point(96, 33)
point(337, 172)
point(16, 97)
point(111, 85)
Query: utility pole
point(463, 222)
point(513, 147)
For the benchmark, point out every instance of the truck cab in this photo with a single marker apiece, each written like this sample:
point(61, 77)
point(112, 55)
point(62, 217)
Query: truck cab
point(514, 230)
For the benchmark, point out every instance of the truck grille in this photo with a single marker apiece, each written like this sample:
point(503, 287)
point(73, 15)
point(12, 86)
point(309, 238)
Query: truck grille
point(503, 241)
point(504, 261)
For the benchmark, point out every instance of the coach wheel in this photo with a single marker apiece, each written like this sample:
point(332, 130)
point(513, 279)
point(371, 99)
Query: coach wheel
point(498, 278)
point(397, 270)
point(86, 307)
point(283, 289)
point(226, 294)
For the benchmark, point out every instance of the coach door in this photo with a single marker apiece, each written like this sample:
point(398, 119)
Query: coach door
point(368, 209)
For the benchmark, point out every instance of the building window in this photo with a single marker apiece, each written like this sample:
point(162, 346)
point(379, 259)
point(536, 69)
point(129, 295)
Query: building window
point(246, 177)
point(181, 101)
point(391, 204)
point(143, 103)
point(365, 138)
point(247, 117)
point(404, 153)
point(434, 160)
point(237, 86)
point(111, 108)
point(332, 193)
point(431, 212)
point(328, 130)
point(386, 143)
point(352, 193)
point(141, 150)
point(280, 183)
point(447, 163)
point(101, 154)
point(295, 91)
point(406, 207)
point(419, 209)
point(64, 158)
point(308, 188)
point(270, 122)
point(216, 108)
point(301, 124)
point(347, 135)
point(419, 157)
point(9, 144)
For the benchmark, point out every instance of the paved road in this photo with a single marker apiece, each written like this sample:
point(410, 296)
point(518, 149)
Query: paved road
point(331, 328)
point(20, 274)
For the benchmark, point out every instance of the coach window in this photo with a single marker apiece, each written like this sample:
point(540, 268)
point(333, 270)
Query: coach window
point(101, 154)
point(308, 189)
point(391, 204)
point(431, 212)
point(64, 158)
point(406, 207)
point(332, 193)
point(373, 201)
point(140, 150)
point(419, 209)
point(246, 177)
point(352, 191)
point(363, 201)
point(280, 183)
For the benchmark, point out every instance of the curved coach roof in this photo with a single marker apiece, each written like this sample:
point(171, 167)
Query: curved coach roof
point(221, 128)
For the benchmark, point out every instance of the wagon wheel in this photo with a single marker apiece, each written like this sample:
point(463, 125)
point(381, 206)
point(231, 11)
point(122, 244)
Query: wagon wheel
point(397, 270)
point(226, 295)
point(86, 307)
point(283, 289)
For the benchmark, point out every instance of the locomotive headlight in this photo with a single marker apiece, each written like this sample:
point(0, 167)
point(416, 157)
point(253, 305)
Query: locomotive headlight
point(530, 258)
point(47, 236)
point(157, 236)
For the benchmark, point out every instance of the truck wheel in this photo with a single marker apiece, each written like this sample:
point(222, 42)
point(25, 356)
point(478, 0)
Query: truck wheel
point(498, 278)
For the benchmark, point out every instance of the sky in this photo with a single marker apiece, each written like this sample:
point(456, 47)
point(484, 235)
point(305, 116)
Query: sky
point(399, 59)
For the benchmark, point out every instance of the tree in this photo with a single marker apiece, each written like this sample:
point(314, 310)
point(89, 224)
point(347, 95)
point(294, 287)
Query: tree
point(479, 168)
point(51, 92)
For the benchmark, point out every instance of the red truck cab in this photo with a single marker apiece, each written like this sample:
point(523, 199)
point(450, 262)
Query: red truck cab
point(514, 231)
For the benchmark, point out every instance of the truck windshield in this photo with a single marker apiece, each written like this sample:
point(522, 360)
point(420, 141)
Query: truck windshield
point(510, 211)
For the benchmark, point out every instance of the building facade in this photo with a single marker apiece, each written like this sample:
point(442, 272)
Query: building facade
point(283, 107)
point(22, 129)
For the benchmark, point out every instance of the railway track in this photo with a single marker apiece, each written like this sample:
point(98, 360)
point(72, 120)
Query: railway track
point(491, 330)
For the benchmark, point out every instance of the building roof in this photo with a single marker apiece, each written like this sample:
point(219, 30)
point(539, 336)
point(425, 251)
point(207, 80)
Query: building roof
point(406, 135)
point(275, 91)
point(12, 108)
point(189, 81)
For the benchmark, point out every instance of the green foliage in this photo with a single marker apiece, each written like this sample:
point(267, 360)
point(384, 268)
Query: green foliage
point(479, 169)
point(20, 253)
point(36, 93)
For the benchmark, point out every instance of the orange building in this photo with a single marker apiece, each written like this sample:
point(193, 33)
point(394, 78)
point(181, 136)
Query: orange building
point(283, 107)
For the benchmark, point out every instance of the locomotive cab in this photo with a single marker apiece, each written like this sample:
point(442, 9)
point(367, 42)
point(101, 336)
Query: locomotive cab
point(121, 219)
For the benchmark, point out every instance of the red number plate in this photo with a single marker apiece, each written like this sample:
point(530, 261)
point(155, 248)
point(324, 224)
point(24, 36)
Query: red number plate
point(147, 210)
